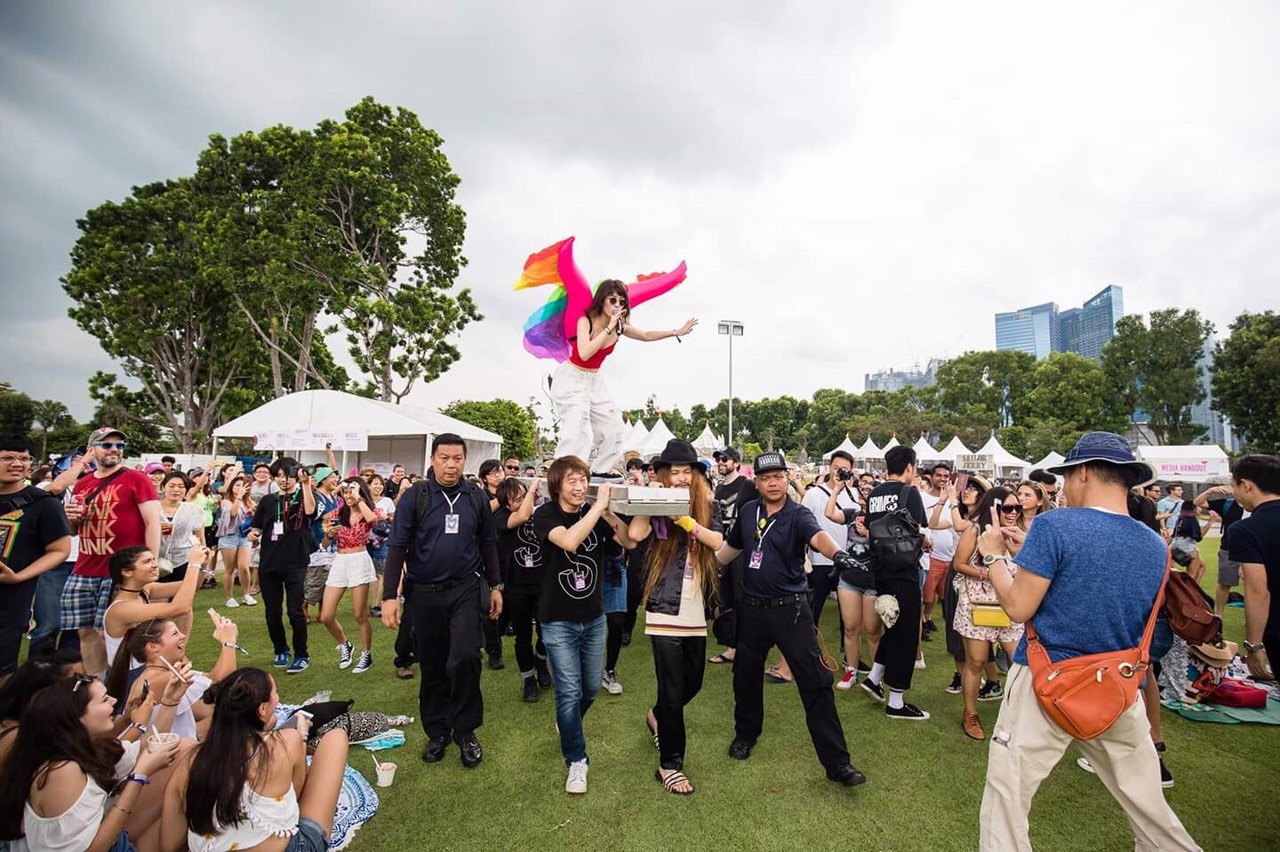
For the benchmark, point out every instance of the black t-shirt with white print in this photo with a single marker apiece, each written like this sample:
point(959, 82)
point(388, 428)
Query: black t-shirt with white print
point(571, 582)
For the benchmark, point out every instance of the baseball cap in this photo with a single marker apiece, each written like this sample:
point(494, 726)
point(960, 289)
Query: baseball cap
point(152, 467)
point(727, 453)
point(772, 460)
point(104, 432)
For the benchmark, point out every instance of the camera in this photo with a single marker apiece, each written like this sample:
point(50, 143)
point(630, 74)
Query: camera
point(844, 474)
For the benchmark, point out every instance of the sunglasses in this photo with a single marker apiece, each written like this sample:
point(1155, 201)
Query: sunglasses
point(1011, 510)
point(511, 467)
point(111, 445)
point(80, 680)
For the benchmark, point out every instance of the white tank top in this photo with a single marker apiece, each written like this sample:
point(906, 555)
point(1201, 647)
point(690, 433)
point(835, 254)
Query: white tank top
point(74, 829)
point(266, 816)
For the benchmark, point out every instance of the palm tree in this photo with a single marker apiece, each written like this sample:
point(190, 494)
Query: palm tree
point(50, 414)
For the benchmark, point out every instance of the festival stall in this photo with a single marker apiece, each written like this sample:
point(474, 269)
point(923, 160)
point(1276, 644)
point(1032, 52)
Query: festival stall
point(635, 439)
point(925, 452)
point(954, 449)
point(994, 460)
point(846, 445)
point(362, 432)
point(1054, 459)
point(707, 441)
point(1186, 462)
point(657, 440)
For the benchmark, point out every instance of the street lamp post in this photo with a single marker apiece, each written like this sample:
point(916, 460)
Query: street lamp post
point(731, 328)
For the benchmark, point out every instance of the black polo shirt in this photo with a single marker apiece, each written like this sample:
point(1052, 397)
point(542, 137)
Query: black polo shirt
point(433, 554)
point(781, 539)
point(1256, 539)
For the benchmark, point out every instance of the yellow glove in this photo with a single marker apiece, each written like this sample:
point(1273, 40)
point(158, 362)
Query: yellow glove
point(685, 523)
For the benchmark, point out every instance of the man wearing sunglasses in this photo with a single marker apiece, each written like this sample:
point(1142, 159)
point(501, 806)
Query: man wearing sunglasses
point(111, 509)
point(510, 467)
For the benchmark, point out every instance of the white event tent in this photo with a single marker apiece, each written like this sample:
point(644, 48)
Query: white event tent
point(1054, 459)
point(657, 440)
point(925, 451)
point(1008, 466)
point(869, 450)
point(954, 448)
point(893, 442)
point(1186, 462)
point(846, 445)
point(707, 441)
point(635, 439)
point(397, 434)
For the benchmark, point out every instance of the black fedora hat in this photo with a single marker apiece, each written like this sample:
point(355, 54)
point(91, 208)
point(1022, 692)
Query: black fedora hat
point(676, 452)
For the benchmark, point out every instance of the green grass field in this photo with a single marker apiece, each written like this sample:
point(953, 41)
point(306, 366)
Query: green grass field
point(924, 780)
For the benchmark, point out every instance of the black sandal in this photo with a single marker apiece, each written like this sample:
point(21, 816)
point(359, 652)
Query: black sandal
point(672, 781)
point(653, 731)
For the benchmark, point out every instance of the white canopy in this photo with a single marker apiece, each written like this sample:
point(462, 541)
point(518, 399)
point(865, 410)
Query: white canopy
point(657, 440)
point(1054, 459)
point(1186, 462)
point(707, 442)
point(954, 448)
point(636, 437)
point(1004, 460)
point(893, 442)
point(846, 445)
point(869, 450)
point(925, 451)
point(397, 434)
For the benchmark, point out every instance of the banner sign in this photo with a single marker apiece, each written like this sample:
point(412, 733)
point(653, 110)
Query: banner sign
point(292, 440)
point(976, 462)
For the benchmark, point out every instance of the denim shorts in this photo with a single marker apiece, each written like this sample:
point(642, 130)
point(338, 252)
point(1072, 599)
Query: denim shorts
point(310, 837)
point(235, 541)
point(849, 587)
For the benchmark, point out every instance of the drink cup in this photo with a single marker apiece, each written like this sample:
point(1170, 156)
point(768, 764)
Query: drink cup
point(386, 774)
point(159, 740)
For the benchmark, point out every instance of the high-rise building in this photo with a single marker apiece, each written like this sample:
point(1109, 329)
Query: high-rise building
point(892, 380)
point(1203, 413)
point(1032, 330)
point(1043, 329)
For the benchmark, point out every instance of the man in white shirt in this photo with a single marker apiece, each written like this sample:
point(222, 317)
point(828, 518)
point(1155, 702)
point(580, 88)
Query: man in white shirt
point(937, 508)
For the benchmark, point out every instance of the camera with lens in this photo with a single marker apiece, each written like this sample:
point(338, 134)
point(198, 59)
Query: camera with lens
point(844, 474)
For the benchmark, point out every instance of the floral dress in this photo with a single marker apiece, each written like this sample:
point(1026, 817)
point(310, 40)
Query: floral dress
point(972, 590)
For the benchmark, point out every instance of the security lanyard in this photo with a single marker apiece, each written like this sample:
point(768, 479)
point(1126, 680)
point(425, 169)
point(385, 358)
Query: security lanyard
point(763, 528)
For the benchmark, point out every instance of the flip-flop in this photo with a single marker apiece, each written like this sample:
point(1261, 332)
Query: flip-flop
point(672, 781)
point(775, 674)
point(653, 731)
point(720, 659)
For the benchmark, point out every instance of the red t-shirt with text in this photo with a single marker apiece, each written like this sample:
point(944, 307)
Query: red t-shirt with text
point(112, 521)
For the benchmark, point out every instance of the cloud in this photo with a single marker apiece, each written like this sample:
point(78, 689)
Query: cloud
point(862, 185)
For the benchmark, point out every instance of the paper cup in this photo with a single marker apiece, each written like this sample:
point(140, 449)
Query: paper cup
point(157, 741)
point(386, 774)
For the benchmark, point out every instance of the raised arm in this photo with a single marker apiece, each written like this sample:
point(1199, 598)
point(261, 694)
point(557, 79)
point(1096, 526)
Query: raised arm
point(650, 336)
point(524, 511)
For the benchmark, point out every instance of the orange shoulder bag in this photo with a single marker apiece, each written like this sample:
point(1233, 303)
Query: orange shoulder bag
point(1086, 695)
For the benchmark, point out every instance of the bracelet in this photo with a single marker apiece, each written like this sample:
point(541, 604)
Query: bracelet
point(236, 647)
point(166, 704)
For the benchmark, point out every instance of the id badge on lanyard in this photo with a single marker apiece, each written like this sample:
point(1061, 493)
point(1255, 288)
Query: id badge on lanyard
point(757, 557)
point(451, 517)
point(277, 529)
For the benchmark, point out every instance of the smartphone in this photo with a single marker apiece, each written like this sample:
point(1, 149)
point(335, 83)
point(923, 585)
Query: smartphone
point(962, 482)
point(146, 690)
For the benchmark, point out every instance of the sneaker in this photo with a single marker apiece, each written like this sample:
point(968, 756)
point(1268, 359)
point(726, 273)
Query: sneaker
point(364, 663)
point(908, 712)
point(850, 678)
point(991, 691)
point(345, 651)
point(954, 688)
point(281, 661)
point(1083, 763)
point(298, 665)
point(375, 611)
point(232, 603)
point(250, 600)
point(872, 689)
point(610, 682)
point(496, 662)
point(544, 674)
point(531, 692)
point(1166, 777)
point(929, 626)
point(577, 781)
point(919, 662)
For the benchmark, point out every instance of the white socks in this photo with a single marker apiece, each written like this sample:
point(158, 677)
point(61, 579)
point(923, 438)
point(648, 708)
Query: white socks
point(876, 675)
point(895, 699)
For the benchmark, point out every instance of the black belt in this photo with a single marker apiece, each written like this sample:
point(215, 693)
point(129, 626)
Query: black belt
point(440, 587)
point(770, 603)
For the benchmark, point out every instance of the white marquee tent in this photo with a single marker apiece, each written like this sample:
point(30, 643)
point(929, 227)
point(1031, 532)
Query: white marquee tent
point(635, 439)
point(954, 448)
point(707, 441)
point(925, 451)
point(1008, 466)
point(1054, 459)
point(893, 442)
point(869, 450)
point(397, 434)
point(657, 440)
point(1186, 462)
point(846, 445)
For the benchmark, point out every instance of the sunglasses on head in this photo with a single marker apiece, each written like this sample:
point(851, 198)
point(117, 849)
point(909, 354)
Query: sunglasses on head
point(79, 681)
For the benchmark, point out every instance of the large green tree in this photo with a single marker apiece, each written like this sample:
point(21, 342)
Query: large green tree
point(130, 411)
point(1246, 380)
point(1154, 365)
point(52, 415)
point(986, 387)
point(17, 412)
point(514, 422)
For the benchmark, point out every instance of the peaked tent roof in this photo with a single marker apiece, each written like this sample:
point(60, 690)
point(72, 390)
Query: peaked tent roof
point(1001, 456)
point(707, 442)
point(657, 440)
point(1054, 459)
point(953, 448)
point(925, 451)
point(869, 450)
point(846, 445)
point(636, 437)
point(893, 442)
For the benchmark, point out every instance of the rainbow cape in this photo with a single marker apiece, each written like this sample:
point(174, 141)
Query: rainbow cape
point(548, 329)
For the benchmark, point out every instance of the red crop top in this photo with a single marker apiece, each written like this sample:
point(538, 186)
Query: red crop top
point(356, 535)
point(594, 362)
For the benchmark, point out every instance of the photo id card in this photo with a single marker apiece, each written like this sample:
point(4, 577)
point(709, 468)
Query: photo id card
point(277, 529)
point(451, 524)
point(757, 557)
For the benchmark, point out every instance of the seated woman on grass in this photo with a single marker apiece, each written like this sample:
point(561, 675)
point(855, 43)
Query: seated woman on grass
point(248, 786)
point(56, 791)
point(139, 595)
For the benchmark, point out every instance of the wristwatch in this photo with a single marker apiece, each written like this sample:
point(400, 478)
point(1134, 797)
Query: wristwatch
point(1250, 649)
point(992, 558)
point(498, 587)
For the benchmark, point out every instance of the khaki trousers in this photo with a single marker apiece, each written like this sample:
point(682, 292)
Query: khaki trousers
point(1026, 745)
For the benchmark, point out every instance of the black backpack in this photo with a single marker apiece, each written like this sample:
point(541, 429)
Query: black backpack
point(896, 540)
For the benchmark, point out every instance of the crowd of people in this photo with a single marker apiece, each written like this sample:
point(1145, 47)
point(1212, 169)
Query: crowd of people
point(102, 563)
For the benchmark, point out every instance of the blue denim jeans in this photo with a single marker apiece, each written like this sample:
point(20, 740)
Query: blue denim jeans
point(46, 610)
point(576, 653)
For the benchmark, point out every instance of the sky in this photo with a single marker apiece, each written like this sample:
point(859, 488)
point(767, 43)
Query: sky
point(862, 185)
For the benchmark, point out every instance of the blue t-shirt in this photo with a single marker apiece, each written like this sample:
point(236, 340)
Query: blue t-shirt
point(1104, 571)
point(782, 539)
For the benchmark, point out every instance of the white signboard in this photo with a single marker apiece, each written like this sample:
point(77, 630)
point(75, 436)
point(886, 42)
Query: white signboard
point(976, 462)
point(292, 440)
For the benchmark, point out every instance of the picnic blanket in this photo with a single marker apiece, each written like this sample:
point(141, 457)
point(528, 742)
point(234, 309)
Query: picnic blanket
point(1269, 715)
point(356, 804)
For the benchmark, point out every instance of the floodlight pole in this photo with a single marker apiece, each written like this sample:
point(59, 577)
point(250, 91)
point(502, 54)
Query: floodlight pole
point(731, 329)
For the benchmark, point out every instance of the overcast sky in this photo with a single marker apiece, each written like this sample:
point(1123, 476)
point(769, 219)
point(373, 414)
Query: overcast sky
point(862, 185)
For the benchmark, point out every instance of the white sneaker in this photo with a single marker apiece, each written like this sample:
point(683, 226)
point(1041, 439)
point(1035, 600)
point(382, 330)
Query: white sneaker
point(850, 678)
point(577, 782)
point(232, 603)
point(610, 683)
point(250, 601)
point(919, 662)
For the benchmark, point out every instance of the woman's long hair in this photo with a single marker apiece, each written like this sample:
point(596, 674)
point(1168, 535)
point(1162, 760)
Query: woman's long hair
point(223, 761)
point(344, 514)
point(663, 553)
point(991, 497)
point(607, 288)
point(133, 647)
point(51, 731)
point(17, 692)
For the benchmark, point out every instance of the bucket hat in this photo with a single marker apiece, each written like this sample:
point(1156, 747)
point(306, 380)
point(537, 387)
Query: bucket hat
point(1108, 448)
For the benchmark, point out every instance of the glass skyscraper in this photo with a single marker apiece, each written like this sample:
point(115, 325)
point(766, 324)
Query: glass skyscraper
point(1042, 329)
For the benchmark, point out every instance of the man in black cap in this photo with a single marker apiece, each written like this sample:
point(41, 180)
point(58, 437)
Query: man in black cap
point(772, 534)
point(734, 492)
point(443, 536)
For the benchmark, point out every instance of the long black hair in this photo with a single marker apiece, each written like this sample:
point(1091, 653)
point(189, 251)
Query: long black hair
point(991, 497)
point(31, 677)
point(223, 761)
point(510, 490)
point(50, 732)
point(344, 514)
point(132, 647)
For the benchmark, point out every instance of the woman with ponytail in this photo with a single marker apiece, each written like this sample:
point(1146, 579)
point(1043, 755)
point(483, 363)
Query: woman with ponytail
point(679, 589)
point(71, 786)
point(248, 786)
